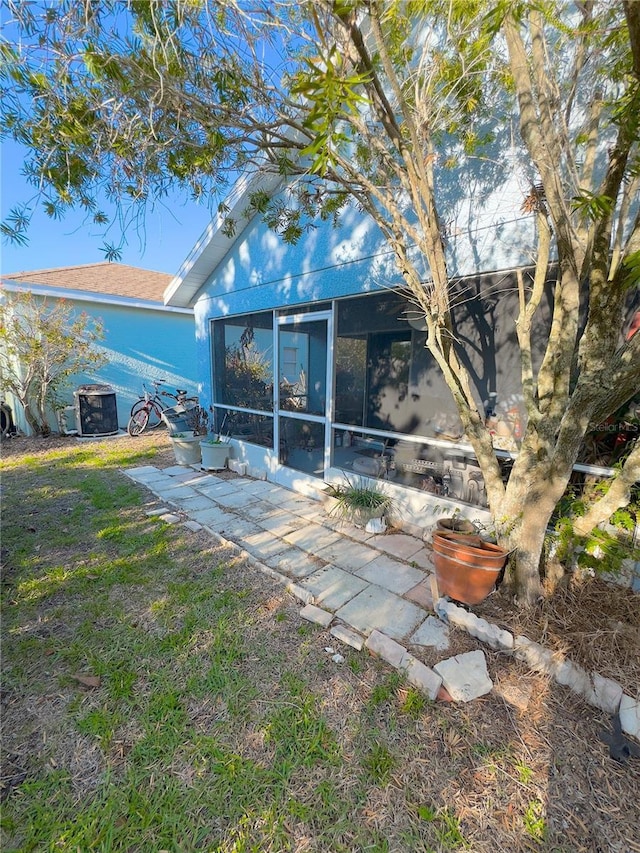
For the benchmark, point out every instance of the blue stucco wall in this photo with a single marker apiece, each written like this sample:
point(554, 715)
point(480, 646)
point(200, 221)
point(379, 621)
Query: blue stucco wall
point(141, 344)
point(261, 272)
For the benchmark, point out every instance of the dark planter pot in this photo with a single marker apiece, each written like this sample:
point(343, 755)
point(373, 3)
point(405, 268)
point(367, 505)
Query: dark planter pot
point(467, 568)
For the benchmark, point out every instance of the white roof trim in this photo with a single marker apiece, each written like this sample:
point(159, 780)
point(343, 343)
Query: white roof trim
point(91, 296)
point(213, 245)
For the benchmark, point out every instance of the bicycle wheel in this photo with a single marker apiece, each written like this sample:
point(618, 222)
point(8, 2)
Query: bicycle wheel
point(138, 423)
point(155, 415)
point(139, 404)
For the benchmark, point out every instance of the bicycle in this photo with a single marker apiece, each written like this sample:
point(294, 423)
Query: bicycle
point(146, 413)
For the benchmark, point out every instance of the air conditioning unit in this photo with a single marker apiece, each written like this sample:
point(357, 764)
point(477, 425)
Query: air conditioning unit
point(96, 410)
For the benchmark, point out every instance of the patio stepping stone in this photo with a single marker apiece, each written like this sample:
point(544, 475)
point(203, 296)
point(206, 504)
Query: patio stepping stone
point(263, 545)
point(280, 523)
point(391, 574)
point(233, 499)
point(144, 476)
point(398, 545)
point(432, 632)
point(311, 538)
point(174, 470)
point(348, 555)
point(213, 517)
point(170, 518)
point(376, 608)
point(465, 677)
point(197, 502)
point(292, 562)
point(316, 614)
point(161, 510)
point(421, 594)
point(332, 587)
point(347, 636)
point(236, 528)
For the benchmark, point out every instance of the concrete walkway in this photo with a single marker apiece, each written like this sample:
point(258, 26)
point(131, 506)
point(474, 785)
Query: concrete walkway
point(357, 581)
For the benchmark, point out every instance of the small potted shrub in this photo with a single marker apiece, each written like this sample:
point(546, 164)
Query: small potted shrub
point(186, 448)
point(356, 502)
point(214, 448)
point(186, 444)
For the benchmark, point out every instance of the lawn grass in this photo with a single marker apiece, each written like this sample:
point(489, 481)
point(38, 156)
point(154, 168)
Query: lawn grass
point(219, 722)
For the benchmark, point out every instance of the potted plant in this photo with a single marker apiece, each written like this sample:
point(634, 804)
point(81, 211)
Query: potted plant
point(467, 567)
point(356, 502)
point(186, 447)
point(456, 524)
point(214, 447)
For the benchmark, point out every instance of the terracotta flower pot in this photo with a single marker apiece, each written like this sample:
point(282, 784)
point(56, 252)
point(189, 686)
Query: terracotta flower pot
point(467, 568)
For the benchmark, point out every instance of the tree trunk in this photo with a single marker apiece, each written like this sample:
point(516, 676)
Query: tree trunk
point(618, 495)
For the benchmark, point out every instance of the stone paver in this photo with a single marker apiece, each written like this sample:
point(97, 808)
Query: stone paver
point(212, 517)
point(199, 502)
point(423, 559)
point(217, 490)
point(233, 500)
point(292, 562)
point(630, 715)
point(262, 545)
point(176, 470)
point(348, 555)
point(280, 523)
point(386, 648)
point(398, 545)
point(433, 633)
point(170, 518)
point(316, 614)
point(175, 493)
point(332, 587)
point(236, 528)
point(141, 471)
point(421, 594)
point(421, 676)
point(376, 608)
point(311, 537)
point(465, 677)
point(391, 574)
point(145, 474)
point(161, 510)
point(346, 635)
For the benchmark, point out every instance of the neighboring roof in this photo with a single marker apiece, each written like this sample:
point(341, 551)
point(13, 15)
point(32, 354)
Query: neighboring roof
point(216, 241)
point(103, 278)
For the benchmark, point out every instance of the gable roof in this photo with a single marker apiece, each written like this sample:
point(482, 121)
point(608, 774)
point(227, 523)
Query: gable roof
point(216, 240)
point(102, 278)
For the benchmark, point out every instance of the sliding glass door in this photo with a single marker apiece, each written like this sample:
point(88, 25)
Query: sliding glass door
point(303, 395)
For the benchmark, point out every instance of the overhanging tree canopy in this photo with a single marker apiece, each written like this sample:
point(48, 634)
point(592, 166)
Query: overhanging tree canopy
point(381, 104)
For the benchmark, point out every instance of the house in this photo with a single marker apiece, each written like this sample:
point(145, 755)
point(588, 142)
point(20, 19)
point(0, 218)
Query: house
point(316, 365)
point(144, 338)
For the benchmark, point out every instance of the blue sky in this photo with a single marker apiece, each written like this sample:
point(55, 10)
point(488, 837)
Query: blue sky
point(170, 230)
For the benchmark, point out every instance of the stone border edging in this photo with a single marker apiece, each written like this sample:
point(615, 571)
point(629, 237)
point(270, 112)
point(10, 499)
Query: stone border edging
point(603, 693)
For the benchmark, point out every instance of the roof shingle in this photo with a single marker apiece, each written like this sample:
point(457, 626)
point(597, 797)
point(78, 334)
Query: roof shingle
point(106, 278)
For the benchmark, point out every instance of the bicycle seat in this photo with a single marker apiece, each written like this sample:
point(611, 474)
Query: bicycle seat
point(181, 390)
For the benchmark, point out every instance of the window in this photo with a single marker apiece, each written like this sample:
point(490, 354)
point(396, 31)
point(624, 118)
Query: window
point(243, 361)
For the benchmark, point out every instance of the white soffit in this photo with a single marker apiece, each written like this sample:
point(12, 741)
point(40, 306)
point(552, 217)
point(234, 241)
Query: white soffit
point(213, 245)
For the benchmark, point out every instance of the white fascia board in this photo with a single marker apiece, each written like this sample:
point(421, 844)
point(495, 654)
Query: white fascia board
point(87, 296)
point(213, 245)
